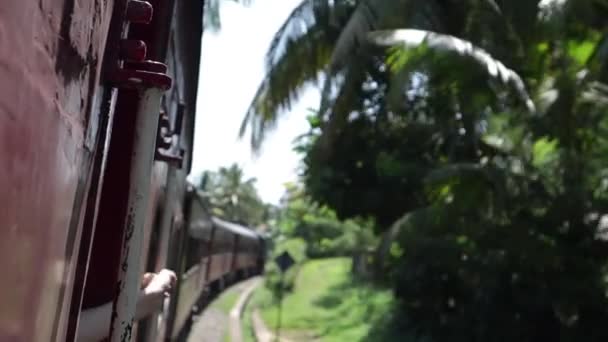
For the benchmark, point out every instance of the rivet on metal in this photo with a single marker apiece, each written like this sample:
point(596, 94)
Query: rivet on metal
point(139, 12)
point(134, 50)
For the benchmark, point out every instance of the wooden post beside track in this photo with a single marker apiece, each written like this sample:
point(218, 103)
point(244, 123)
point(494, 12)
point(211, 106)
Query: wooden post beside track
point(284, 261)
point(280, 311)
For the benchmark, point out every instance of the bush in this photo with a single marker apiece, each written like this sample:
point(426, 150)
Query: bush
point(471, 280)
point(323, 233)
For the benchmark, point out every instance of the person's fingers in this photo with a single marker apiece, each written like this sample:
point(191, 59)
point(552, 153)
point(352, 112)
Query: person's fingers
point(162, 282)
point(171, 278)
point(148, 302)
point(146, 279)
point(157, 287)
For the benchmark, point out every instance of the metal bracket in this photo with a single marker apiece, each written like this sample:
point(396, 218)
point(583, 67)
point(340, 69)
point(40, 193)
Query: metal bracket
point(164, 136)
point(127, 68)
point(164, 141)
point(141, 75)
point(172, 159)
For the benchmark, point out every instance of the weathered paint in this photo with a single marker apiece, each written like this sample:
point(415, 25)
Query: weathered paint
point(137, 201)
point(50, 122)
point(50, 67)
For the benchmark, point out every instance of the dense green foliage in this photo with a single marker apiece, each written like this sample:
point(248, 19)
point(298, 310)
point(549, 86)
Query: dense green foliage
point(476, 142)
point(322, 232)
point(233, 197)
point(307, 231)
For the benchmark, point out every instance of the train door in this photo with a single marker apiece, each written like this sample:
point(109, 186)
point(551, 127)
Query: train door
point(114, 223)
point(178, 244)
point(209, 257)
point(234, 254)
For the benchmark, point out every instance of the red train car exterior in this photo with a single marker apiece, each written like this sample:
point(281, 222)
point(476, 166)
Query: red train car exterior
point(51, 55)
point(81, 81)
point(63, 102)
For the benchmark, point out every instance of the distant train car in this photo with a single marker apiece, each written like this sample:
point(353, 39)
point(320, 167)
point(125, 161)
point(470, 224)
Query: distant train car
point(214, 254)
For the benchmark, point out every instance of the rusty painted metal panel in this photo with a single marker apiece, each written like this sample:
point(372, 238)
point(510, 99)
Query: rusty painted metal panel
point(137, 201)
point(50, 65)
point(50, 124)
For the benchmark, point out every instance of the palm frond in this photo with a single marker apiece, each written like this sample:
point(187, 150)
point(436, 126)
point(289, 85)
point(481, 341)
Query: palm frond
point(371, 15)
point(442, 43)
point(422, 217)
point(340, 97)
point(361, 21)
point(299, 66)
point(365, 18)
point(299, 21)
point(212, 19)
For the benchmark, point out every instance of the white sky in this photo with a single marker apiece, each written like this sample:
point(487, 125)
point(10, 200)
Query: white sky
point(232, 67)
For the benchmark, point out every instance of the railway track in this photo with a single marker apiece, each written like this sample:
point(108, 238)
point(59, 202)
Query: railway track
point(214, 324)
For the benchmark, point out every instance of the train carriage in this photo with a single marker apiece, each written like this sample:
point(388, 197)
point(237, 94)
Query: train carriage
point(216, 253)
point(97, 112)
point(245, 245)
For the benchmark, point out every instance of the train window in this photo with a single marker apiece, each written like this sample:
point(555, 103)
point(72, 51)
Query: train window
point(225, 241)
point(246, 245)
point(219, 243)
point(195, 253)
point(200, 223)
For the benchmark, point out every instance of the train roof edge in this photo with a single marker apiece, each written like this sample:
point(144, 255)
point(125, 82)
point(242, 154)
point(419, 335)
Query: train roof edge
point(200, 224)
point(234, 227)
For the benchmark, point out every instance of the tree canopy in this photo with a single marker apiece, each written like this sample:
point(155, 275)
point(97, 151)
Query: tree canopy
point(211, 13)
point(232, 196)
point(473, 133)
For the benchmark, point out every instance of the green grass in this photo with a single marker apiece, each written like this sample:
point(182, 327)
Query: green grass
point(328, 305)
point(226, 301)
point(247, 324)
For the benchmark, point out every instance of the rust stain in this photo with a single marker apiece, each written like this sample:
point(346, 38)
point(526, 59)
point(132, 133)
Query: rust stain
point(130, 226)
point(126, 332)
point(41, 143)
point(119, 287)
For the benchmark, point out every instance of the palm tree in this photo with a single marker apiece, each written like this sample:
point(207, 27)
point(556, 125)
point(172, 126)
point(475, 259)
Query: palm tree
point(232, 196)
point(464, 48)
point(211, 13)
point(325, 43)
point(540, 67)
